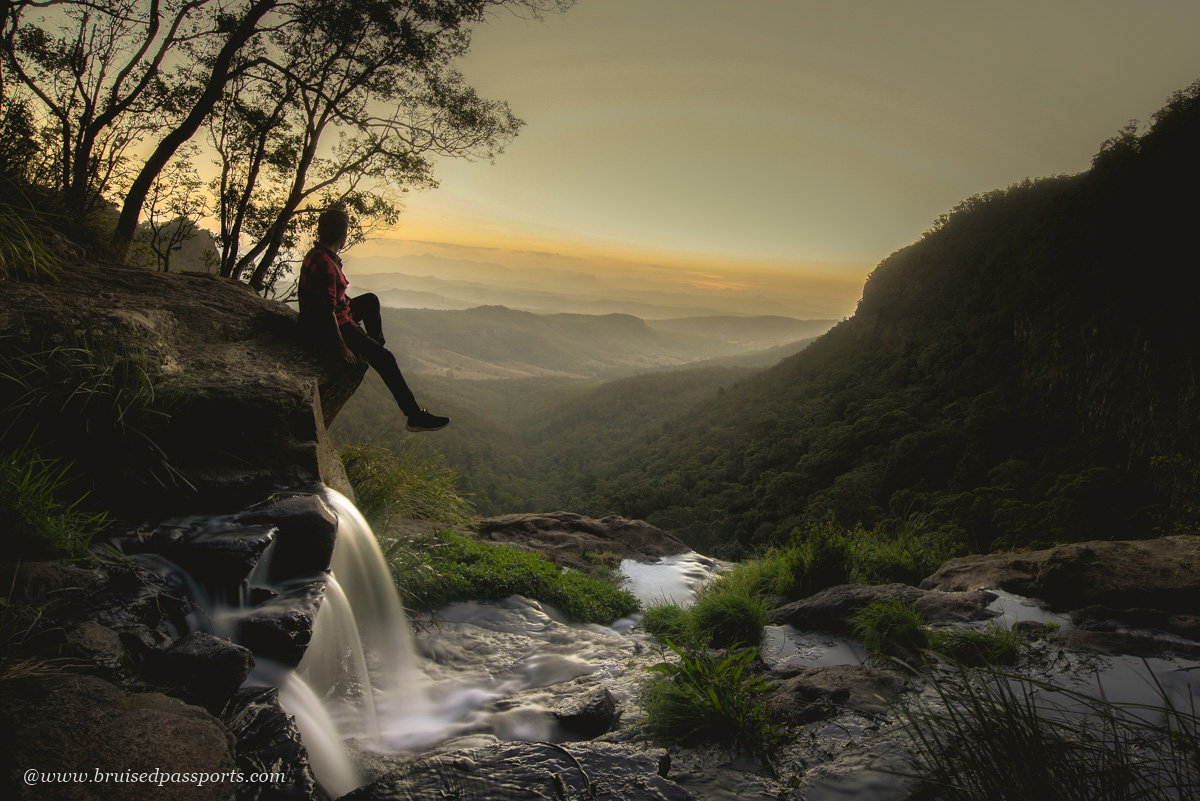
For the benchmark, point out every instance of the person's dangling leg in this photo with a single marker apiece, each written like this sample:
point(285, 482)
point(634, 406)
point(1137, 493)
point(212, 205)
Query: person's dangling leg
point(379, 357)
point(365, 309)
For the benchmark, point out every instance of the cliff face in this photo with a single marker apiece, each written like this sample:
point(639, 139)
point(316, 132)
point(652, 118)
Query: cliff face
point(225, 395)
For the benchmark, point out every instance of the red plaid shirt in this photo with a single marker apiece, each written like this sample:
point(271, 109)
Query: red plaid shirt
point(323, 285)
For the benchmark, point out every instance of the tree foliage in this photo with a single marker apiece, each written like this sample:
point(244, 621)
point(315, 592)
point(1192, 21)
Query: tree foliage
point(305, 103)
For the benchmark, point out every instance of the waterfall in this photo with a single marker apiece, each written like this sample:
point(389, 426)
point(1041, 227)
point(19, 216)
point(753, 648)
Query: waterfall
point(359, 666)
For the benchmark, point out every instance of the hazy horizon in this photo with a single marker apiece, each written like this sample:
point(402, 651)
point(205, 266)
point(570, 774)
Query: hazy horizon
point(784, 147)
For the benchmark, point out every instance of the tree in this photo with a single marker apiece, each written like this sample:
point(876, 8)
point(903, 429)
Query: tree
point(113, 72)
point(173, 210)
point(96, 69)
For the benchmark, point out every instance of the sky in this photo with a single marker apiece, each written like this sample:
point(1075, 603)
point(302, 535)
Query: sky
point(780, 146)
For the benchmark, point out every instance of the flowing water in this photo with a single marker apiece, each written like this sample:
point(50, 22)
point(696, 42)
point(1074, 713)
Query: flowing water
point(483, 672)
point(493, 670)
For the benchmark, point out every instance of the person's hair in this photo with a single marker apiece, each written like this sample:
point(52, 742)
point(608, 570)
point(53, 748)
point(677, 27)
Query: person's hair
point(332, 225)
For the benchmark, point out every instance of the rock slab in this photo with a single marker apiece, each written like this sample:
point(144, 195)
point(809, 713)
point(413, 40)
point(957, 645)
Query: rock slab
point(532, 772)
point(556, 534)
point(833, 609)
point(1161, 574)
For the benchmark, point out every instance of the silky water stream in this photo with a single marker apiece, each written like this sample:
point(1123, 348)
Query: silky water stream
point(479, 672)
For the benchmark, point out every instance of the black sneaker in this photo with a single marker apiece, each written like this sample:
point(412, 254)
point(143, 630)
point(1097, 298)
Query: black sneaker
point(424, 421)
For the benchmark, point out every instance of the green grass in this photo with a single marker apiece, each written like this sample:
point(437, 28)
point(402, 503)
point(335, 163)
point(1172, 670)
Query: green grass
point(890, 627)
point(977, 647)
point(37, 522)
point(722, 616)
point(992, 737)
point(727, 619)
point(461, 569)
point(669, 621)
point(703, 697)
point(406, 483)
point(826, 554)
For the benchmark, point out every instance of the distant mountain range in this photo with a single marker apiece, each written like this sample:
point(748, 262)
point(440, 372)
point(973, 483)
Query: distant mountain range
point(498, 342)
point(433, 282)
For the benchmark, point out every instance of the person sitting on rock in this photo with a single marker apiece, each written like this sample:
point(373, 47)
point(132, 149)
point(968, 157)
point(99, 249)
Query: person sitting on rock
point(331, 319)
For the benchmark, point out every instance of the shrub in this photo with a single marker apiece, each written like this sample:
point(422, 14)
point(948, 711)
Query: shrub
point(37, 522)
point(669, 622)
point(727, 619)
point(463, 569)
point(406, 483)
point(703, 697)
point(890, 627)
point(992, 737)
point(977, 647)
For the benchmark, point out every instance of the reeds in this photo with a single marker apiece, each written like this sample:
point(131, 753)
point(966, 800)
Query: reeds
point(987, 736)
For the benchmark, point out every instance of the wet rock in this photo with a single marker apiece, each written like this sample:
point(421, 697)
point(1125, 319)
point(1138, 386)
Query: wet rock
point(591, 715)
point(222, 556)
point(712, 772)
point(1034, 628)
point(213, 550)
point(601, 771)
point(269, 742)
point(306, 532)
point(98, 645)
point(73, 723)
point(558, 534)
point(282, 628)
point(45, 584)
point(1118, 643)
point(201, 669)
point(1184, 625)
point(833, 609)
point(804, 694)
point(1159, 574)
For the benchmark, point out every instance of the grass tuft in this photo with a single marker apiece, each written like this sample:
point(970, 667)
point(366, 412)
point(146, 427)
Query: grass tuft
point(406, 483)
point(98, 398)
point(728, 619)
point(669, 621)
point(977, 647)
point(23, 254)
point(890, 627)
point(461, 569)
point(38, 523)
point(703, 697)
point(991, 737)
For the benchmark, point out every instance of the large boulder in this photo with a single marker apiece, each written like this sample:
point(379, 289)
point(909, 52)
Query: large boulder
point(64, 724)
point(250, 404)
point(1161, 574)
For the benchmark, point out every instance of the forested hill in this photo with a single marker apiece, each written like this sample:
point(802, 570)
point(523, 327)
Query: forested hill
point(1026, 372)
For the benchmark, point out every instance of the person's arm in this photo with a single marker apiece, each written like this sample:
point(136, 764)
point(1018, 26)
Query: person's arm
point(334, 336)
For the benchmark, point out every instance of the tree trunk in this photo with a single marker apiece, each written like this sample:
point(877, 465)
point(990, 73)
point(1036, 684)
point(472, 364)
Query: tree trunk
point(213, 90)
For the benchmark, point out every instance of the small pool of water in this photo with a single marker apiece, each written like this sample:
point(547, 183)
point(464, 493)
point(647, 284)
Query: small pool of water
point(1014, 609)
point(787, 646)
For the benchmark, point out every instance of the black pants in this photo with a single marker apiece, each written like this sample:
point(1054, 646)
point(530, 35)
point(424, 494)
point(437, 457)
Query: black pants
point(368, 347)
